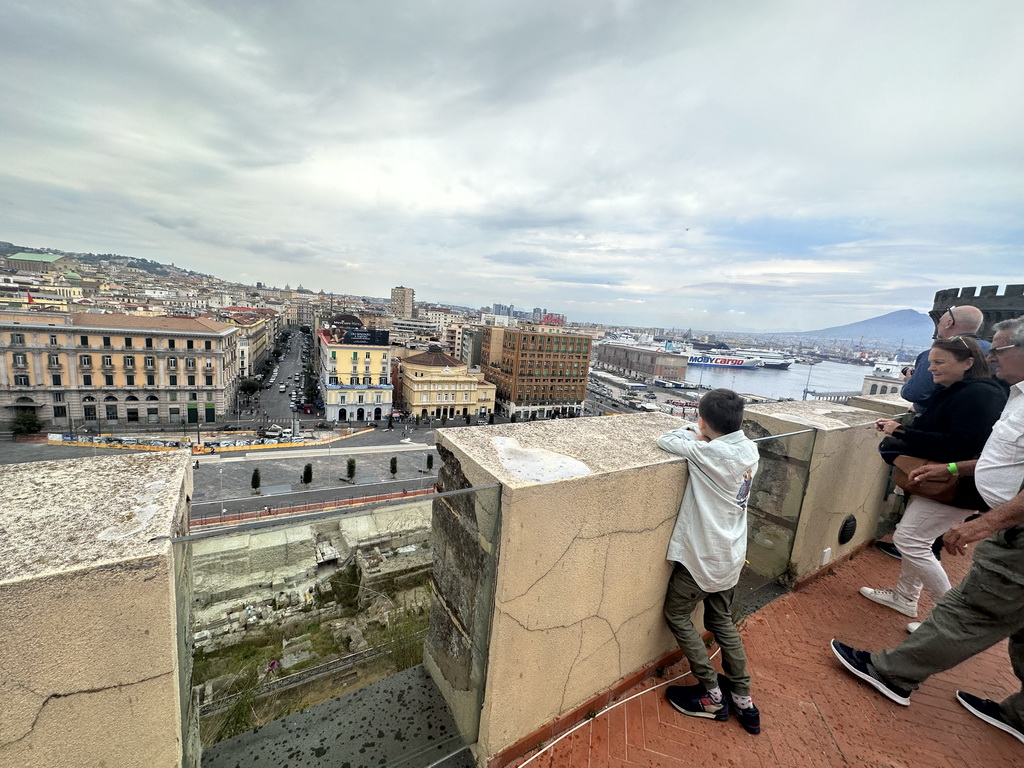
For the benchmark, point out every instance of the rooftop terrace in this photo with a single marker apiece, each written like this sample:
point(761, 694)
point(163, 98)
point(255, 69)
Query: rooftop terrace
point(548, 578)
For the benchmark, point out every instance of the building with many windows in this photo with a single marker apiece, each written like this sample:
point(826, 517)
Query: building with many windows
point(258, 331)
point(437, 385)
point(404, 329)
point(640, 361)
point(354, 370)
point(540, 371)
point(102, 370)
point(402, 301)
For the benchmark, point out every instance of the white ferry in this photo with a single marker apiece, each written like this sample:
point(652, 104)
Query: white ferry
point(772, 358)
point(725, 358)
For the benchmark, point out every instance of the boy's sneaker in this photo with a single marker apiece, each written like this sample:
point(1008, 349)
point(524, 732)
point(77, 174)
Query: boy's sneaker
point(697, 703)
point(891, 599)
point(859, 663)
point(750, 717)
point(990, 712)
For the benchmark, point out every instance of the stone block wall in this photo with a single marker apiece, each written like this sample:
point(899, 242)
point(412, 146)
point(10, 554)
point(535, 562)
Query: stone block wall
point(95, 666)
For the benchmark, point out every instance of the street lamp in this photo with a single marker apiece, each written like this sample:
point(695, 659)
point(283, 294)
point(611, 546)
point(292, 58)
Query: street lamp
point(220, 472)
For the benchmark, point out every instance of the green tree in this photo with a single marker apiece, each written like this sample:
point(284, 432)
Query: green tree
point(515, 418)
point(430, 461)
point(307, 474)
point(255, 482)
point(444, 420)
point(533, 415)
point(394, 466)
point(490, 417)
point(417, 420)
point(467, 418)
point(26, 422)
point(350, 470)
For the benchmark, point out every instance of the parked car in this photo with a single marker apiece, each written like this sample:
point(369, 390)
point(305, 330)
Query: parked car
point(371, 423)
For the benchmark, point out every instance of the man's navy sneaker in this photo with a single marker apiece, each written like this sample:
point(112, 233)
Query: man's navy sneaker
point(888, 548)
point(990, 712)
point(697, 703)
point(859, 664)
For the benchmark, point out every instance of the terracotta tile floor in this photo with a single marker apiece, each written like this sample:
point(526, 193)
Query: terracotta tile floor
point(813, 713)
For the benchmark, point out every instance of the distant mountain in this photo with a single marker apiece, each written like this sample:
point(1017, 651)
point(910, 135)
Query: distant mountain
point(908, 327)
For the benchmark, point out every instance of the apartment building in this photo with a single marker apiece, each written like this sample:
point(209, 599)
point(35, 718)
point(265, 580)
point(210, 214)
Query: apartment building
point(354, 370)
point(642, 362)
point(540, 371)
point(470, 345)
point(404, 329)
point(437, 385)
point(258, 330)
point(102, 370)
point(402, 301)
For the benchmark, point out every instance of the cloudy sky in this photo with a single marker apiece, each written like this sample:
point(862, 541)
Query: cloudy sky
point(721, 165)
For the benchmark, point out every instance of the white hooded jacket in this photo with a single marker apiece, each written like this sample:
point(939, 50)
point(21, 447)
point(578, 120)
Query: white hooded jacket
point(710, 535)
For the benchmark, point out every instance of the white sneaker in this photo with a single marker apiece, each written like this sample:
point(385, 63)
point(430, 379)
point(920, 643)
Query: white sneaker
point(912, 626)
point(890, 599)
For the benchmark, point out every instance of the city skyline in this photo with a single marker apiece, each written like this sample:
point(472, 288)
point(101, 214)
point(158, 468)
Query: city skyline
point(651, 164)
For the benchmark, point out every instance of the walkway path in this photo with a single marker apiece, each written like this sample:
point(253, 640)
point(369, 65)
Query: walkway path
point(813, 712)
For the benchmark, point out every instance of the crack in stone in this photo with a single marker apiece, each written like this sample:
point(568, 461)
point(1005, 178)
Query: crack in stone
point(568, 674)
point(578, 537)
point(86, 691)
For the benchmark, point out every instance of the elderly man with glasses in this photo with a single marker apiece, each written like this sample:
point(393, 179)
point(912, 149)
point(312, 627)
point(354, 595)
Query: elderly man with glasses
point(988, 605)
point(955, 321)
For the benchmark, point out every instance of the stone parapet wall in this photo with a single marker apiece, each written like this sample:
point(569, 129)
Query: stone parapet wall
point(544, 604)
point(95, 661)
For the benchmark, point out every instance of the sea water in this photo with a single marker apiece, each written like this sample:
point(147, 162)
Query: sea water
point(771, 382)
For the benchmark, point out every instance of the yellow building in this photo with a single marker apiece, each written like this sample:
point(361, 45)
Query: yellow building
point(354, 370)
point(437, 385)
point(102, 370)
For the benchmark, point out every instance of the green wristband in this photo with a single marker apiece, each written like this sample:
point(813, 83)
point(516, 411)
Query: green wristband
point(952, 468)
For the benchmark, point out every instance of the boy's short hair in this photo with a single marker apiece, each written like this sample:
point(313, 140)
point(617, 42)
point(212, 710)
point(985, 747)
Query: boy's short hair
point(722, 409)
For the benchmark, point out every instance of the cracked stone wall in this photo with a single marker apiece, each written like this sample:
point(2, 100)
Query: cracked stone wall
point(845, 476)
point(573, 598)
point(587, 507)
point(94, 662)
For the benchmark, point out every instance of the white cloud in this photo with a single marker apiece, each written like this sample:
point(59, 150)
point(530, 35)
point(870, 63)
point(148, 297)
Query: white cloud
point(807, 163)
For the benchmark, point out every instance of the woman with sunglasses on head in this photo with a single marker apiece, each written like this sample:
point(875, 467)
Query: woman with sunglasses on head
point(956, 422)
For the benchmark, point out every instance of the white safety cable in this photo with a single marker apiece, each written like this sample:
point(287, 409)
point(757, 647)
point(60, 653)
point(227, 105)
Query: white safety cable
point(609, 708)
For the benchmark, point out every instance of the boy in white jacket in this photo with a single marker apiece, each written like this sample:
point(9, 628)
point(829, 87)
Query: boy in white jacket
point(707, 549)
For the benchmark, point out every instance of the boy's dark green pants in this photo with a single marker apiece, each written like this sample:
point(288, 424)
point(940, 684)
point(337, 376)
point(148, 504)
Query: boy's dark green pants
point(680, 603)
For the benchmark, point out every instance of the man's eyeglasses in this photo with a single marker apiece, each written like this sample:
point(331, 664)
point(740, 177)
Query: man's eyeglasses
point(952, 317)
point(997, 350)
point(961, 339)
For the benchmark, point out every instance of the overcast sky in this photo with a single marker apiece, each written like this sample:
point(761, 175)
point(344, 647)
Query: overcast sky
point(720, 165)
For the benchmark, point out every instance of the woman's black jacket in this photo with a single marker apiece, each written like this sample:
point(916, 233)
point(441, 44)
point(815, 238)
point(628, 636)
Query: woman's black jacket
point(956, 422)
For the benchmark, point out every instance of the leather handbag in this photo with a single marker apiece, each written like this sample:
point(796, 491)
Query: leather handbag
point(943, 491)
